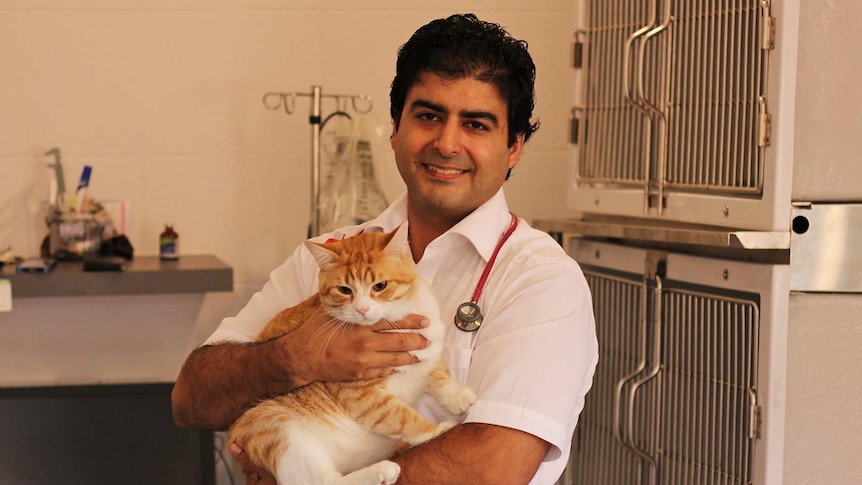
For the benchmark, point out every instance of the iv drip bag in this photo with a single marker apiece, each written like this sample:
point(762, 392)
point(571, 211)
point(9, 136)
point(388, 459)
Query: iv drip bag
point(357, 196)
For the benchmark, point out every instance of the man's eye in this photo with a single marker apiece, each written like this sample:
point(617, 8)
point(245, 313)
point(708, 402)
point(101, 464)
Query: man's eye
point(345, 290)
point(475, 125)
point(427, 116)
point(380, 286)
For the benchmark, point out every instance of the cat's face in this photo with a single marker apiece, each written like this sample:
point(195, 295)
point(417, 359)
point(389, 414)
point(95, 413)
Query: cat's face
point(367, 277)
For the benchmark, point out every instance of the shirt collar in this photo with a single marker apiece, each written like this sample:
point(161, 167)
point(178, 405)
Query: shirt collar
point(483, 227)
point(391, 218)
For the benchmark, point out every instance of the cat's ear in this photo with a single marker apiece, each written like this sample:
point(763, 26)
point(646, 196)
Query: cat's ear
point(321, 253)
point(398, 244)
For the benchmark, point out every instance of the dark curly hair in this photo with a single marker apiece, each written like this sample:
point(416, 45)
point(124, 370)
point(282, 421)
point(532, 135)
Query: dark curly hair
point(462, 46)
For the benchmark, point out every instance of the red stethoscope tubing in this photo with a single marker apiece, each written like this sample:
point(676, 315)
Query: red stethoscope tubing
point(481, 285)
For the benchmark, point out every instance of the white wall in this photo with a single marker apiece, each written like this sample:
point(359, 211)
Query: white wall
point(828, 105)
point(824, 415)
point(163, 99)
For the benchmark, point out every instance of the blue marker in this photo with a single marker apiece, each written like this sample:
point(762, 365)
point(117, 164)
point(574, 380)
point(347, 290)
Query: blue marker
point(81, 193)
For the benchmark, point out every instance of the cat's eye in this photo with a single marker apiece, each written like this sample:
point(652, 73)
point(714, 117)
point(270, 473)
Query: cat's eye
point(345, 290)
point(380, 286)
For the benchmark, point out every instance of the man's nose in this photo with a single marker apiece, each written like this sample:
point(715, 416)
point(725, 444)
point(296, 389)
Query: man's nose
point(448, 142)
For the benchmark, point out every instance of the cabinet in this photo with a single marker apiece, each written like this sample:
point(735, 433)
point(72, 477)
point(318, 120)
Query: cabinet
point(87, 362)
point(692, 370)
point(682, 152)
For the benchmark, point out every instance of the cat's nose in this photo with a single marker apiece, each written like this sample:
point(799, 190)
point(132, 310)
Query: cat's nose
point(362, 309)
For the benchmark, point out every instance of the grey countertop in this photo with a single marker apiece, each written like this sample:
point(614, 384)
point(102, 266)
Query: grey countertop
point(144, 275)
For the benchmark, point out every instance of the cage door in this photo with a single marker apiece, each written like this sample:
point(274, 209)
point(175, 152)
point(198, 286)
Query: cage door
point(678, 111)
point(709, 388)
point(599, 456)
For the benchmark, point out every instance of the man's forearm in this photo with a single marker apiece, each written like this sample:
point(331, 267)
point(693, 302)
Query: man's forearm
point(474, 453)
point(218, 382)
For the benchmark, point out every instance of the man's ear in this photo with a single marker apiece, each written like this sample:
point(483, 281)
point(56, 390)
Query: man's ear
point(516, 150)
point(392, 136)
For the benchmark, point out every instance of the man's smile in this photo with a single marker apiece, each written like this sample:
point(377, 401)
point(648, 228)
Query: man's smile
point(441, 170)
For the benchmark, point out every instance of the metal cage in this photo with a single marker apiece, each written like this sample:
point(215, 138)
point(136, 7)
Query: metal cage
point(678, 396)
point(674, 105)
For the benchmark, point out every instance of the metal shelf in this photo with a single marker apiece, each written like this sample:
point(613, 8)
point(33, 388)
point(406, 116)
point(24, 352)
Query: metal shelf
point(665, 232)
point(144, 275)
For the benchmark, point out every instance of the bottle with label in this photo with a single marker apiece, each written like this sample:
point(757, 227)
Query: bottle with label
point(169, 244)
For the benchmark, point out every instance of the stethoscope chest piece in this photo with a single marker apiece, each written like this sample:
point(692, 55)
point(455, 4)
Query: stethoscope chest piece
point(468, 317)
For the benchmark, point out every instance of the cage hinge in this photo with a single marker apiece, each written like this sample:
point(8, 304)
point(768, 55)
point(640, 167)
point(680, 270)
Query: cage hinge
point(764, 129)
point(768, 30)
point(575, 126)
point(756, 420)
point(578, 49)
point(577, 54)
point(573, 131)
point(755, 416)
point(767, 26)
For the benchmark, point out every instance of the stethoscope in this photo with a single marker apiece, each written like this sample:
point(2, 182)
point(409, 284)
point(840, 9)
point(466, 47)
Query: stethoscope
point(468, 317)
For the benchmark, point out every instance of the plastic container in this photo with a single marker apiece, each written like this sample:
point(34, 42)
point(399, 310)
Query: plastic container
point(74, 235)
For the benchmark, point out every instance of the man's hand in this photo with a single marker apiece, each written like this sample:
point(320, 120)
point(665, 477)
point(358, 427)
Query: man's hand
point(218, 382)
point(323, 349)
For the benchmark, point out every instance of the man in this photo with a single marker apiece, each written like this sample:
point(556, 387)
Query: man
point(461, 104)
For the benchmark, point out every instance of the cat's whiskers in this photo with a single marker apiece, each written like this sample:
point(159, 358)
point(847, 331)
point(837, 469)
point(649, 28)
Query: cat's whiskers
point(333, 325)
point(390, 323)
point(330, 324)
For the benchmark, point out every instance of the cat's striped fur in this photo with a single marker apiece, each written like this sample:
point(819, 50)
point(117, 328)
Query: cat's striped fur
point(341, 433)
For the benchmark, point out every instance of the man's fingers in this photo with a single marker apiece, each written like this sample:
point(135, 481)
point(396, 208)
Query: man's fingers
point(254, 474)
point(378, 373)
point(403, 358)
point(239, 456)
point(410, 322)
point(401, 342)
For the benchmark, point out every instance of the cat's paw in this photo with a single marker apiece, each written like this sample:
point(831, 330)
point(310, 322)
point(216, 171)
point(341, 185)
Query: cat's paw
point(444, 427)
point(387, 472)
point(459, 401)
point(437, 431)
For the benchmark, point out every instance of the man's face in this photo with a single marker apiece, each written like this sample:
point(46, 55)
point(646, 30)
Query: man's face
point(451, 145)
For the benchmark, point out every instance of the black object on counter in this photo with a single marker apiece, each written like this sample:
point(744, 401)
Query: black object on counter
point(104, 263)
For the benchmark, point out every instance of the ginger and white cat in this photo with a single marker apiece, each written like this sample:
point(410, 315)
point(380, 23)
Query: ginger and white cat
point(341, 433)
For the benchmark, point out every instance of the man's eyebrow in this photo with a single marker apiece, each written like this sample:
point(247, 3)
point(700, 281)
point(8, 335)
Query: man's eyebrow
point(470, 114)
point(481, 115)
point(424, 103)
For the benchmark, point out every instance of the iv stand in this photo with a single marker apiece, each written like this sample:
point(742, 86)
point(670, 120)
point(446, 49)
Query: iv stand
point(275, 100)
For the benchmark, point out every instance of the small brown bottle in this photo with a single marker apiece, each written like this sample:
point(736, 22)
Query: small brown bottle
point(169, 244)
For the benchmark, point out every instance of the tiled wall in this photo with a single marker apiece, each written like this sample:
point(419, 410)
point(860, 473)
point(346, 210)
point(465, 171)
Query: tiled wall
point(163, 99)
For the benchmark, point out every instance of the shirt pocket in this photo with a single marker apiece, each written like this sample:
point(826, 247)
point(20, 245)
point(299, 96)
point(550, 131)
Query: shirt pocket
point(463, 358)
point(459, 353)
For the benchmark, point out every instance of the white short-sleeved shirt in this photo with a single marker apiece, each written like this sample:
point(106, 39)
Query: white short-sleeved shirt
point(532, 361)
